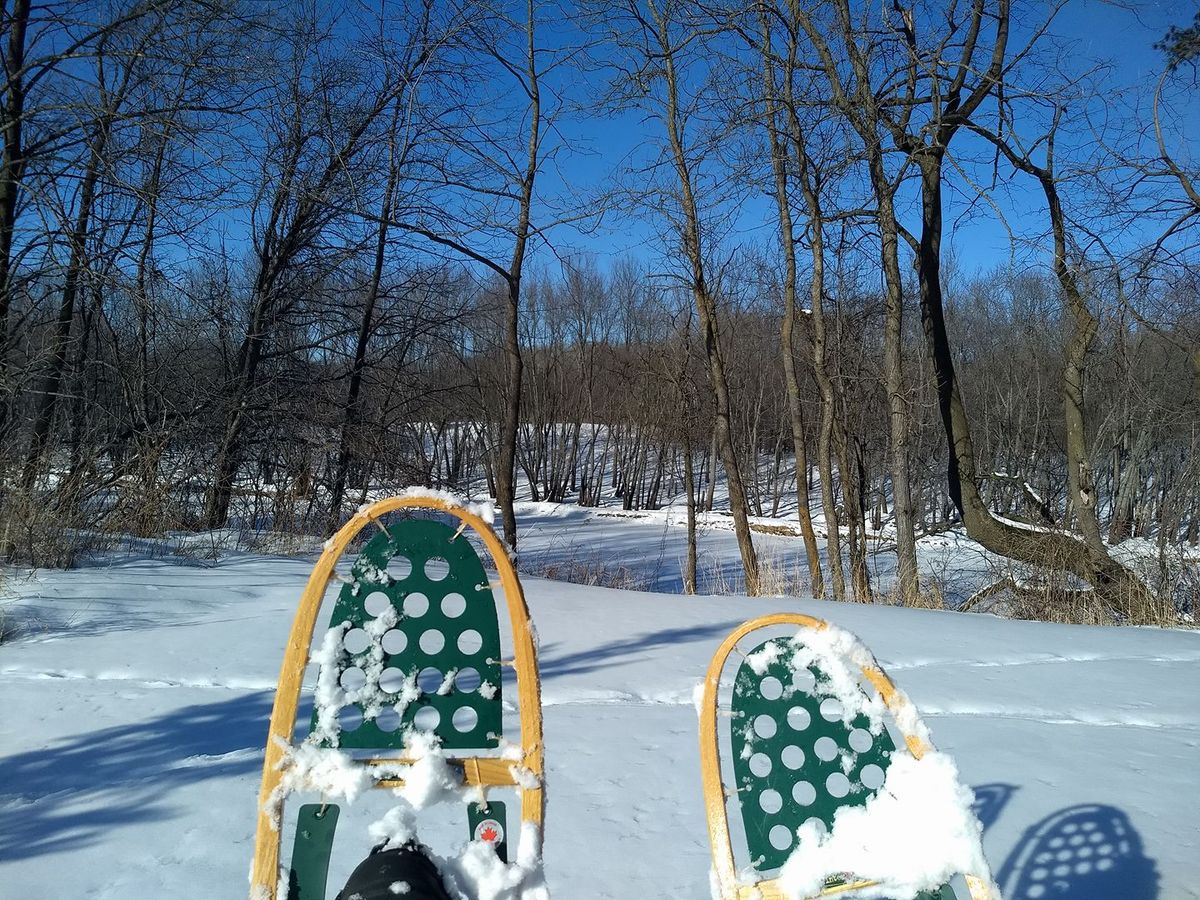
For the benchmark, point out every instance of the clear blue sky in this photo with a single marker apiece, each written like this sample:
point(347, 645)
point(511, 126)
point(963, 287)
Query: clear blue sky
point(1089, 32)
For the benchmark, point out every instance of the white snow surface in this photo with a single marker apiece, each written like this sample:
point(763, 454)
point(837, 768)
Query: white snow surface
point(137, 695)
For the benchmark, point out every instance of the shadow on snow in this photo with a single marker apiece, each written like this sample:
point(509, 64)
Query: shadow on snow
point(70, 795)
point(1086, 852)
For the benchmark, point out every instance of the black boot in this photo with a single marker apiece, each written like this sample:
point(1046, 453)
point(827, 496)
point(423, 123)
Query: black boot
point(409, 865)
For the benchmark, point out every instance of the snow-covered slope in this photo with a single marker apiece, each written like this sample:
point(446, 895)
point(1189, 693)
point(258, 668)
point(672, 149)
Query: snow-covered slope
point(135, 708)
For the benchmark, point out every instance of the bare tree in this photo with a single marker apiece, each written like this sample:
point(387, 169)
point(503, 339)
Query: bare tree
point(854, 82)
point(316, 133)
point(780, 168)
point(494, 148)
point(657, 39)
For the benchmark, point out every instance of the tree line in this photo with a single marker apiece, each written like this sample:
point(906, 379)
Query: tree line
point(257, 260)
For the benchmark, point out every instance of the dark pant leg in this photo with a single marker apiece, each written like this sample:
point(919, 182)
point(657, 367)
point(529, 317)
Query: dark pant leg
point(374, 877)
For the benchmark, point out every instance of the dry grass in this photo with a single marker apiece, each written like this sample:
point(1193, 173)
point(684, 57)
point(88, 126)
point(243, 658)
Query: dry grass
point(591, 571)
point(41, 535)
point(930, 597)
point(778, 576)
point(1055, 597)
point(785, 530)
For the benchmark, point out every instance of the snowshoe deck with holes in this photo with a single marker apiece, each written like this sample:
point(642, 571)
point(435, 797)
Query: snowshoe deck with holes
point(419, 648)
point(790, 762)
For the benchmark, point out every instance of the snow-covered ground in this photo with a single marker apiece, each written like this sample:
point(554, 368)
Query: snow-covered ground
point(136, 702)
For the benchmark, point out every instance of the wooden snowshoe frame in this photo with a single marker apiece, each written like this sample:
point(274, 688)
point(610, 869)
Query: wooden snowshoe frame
point(715, 793)
point(481, 771)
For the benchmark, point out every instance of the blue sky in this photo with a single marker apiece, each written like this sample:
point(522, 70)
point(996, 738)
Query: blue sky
point(1088, 32)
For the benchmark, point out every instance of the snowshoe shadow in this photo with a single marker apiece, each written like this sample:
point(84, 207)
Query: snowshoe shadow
point(1084, 852)
point(72, 793)
point(990, 800)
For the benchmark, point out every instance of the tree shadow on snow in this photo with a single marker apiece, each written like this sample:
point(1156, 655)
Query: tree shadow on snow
point(621, 652)
point(69, 795)
point(1085, 852)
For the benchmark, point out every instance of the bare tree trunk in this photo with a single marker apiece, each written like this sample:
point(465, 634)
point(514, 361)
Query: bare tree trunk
point(787, 328)
point(1058, 550)
point(849, 466)
point(689, 486)
point(1128, 479)
point(352, 411)
point(47, 404)
point(899, 411)
point(706, 305)
point(12, 166)
point(711, 471)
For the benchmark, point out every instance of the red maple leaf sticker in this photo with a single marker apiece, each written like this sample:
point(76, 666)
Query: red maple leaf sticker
point(489, 834)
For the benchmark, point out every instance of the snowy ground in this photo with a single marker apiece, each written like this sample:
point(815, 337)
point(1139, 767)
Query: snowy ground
point(137, 698)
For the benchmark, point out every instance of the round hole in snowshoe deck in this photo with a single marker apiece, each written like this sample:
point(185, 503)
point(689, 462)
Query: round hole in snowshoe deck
point(429, 680)
point(780, 837)
point(399, 567)
point(353, 679)
point(771, 688)
point(388, 719)
point(467, 680)
point(464, 719)
point(872, 777)
point(391, 680)
point(470, 642)
point(427, 718)
point(770, 801)
point(764, 726)
point(838, 785)
point(454, 605)
point(860, 740)
point(804, 793)
point(798, 718)
point(432, 642)
point(416, 605)
point(760, 765)
point(831, 709)
point(436, 568)
point(356, 640)
point(792, 756)
point(394, 642)
point(377, 603)
point(825, 748)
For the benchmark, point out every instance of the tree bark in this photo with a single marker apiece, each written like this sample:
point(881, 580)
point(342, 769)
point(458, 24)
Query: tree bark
point(12, 167)
point(352, 410)
point(1115, 584)
point(707, 308)
point(787, 328)
point(47, 404)
point(899, 412)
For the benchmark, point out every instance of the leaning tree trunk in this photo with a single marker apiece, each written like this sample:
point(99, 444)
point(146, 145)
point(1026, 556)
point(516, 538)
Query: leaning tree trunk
point(514, 365)
point(1114, 584)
